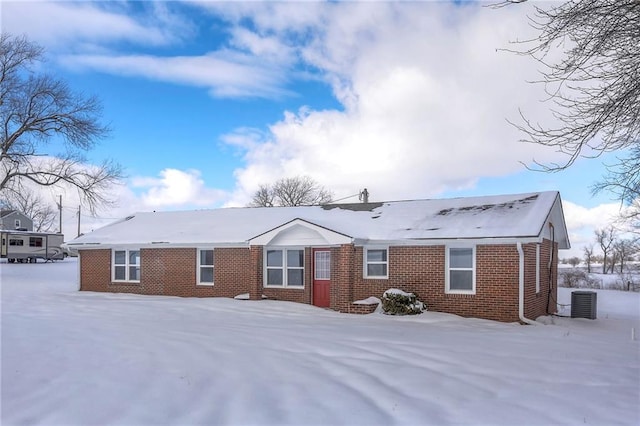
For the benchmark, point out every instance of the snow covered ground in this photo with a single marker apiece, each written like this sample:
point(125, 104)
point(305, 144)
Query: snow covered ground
point(79, 358)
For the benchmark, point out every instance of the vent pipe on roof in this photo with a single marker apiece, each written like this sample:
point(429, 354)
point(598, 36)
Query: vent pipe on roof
point(364, 196)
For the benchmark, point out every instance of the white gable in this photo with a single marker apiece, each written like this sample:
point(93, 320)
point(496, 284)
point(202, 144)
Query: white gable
point(554, 228)
point(300, 233)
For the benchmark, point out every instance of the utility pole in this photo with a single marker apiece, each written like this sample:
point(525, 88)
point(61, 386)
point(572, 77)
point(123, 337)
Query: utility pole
point(79, 220)
point(60, 214)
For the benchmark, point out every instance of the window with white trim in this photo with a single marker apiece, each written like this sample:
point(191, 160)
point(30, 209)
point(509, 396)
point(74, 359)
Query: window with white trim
point(376, 262)
point(16, 223)
point(460, 270)
point(126, 265)
point(205, 267)
point(284, 268)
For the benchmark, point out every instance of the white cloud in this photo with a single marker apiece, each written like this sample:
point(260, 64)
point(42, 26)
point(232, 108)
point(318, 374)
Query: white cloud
point(177, 188)
point(87, 36)
point(275, 17)
point(425, 92)
point(596, 217)
point(225, 73)
point(172, 189)
point(83, 24)
point(583, 221)
point(268, 47)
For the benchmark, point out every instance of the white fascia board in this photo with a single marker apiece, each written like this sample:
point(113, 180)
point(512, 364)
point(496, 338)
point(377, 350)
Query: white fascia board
point(327, 236)
point(159, 244)
point(448, 241)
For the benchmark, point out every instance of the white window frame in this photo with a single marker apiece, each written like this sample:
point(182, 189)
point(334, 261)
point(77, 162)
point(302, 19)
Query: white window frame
point(126, 265)
point(448, 269)
point(285, 267)
point(365, 262)
point(17, 223)
point(200, 266)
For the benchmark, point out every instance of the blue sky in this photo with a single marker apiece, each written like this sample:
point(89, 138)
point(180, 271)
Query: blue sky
point(208, 100)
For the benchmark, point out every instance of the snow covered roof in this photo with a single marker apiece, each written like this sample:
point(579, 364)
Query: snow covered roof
point(497, 217)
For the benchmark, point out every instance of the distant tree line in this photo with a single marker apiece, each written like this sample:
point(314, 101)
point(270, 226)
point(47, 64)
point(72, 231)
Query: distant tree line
point(616, 251)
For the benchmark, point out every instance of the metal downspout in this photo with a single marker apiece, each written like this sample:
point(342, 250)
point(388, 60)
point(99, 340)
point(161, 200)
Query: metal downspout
point(521, 286)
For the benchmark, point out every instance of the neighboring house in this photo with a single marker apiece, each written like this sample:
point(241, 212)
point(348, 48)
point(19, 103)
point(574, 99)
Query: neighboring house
point(13, 219)
point(491, 257)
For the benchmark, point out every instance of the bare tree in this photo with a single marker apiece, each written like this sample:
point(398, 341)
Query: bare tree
point(605, 238)
point(593, 89)
point(613, 259)
point(41, 213)
point(295, 191)
point(625, 249)
point(630, 217)
point(264, 197)
point(588, 256)
point(35, 108)
point(623, 180)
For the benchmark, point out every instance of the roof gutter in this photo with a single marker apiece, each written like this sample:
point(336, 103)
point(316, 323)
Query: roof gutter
point(521, 287)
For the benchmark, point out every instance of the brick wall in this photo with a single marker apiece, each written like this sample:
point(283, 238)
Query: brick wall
point(170, 272)
point(255, 273)
point(342, 277)
point(95, 270)
point(543, 302)
point(421, 270)
point(417, 269)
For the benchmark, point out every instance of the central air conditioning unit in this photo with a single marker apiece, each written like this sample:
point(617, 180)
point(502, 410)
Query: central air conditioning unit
point(584, 304)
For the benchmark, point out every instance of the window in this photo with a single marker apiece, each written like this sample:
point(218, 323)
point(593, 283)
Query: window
point(17, 223)
point(322, 265)
point(126, 265)
point(460, 264)
point(15, 242)
point(205, 267)
point(284, 268)
point(376, 263)
point(35, 241)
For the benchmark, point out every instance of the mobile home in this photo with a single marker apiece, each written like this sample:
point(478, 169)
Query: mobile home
point(25, 246)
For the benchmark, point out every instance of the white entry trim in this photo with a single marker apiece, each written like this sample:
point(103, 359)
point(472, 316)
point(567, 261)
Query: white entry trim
point(299, 232)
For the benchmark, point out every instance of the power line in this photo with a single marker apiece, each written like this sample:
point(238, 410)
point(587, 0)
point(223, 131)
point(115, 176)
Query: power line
point(344, 198)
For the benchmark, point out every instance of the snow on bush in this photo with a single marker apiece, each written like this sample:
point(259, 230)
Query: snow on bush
point(368, 301)
point(578, 278)
point(398, 302)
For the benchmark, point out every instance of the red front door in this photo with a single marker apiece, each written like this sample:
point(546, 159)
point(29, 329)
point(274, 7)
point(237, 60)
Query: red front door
point(321, 277)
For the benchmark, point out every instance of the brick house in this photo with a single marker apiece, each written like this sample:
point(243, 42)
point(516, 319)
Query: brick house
point(491, 257)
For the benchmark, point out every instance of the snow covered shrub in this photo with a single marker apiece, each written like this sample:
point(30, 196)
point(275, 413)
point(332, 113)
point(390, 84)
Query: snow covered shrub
point(398, 302)
point(572, 279)
point(577, 278)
